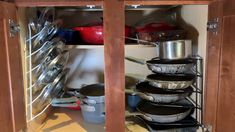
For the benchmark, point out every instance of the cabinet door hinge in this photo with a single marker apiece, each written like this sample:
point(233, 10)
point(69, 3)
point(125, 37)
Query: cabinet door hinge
point(213, 25)
point(13, 28)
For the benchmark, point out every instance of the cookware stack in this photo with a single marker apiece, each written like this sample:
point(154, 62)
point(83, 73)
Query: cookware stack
point(91, 101)
point(46, 59)
point(173, 93)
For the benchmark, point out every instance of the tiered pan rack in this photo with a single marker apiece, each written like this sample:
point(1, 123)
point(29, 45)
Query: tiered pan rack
point(194, 101)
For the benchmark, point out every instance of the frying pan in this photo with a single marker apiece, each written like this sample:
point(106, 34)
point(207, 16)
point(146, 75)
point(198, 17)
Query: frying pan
point(158, 95)
point(165, 66)
point(162, 114)
point(167, 81)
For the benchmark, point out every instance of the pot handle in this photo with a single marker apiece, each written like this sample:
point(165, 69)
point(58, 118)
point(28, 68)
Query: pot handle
point(142, 95)
point(64, 100)
point(88, 108)
point(136, 60)
point(145, 96)
point(65, 105)
point(140, 40)
point(88, 101)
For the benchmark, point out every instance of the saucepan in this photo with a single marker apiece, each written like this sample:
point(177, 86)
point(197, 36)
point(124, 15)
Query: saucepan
point(167, 81)
point(173, 49)
point(158, 95)
point(158, 113)
point(157, 65)
point(92, 102)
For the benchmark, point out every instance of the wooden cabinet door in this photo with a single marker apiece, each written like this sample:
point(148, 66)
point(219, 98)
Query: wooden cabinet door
point(226, 96)
point(12, 105)
point(220, 86)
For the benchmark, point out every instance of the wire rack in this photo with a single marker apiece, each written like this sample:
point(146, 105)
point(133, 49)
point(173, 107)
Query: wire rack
point(195, 101)
point(31, 68)
point(29, 97)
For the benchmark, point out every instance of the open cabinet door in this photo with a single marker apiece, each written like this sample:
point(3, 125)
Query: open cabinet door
point(220, 86)
point(226, 96)
point(12, 105)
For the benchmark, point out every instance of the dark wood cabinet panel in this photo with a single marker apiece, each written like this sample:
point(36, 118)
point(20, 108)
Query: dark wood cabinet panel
point(114, 22)
point(226, 96)
point(220, 70)
point(220, 85)
point(213, 66)
point(33, 3)
point(12, 105)
point(166, 2)
point(229, 7)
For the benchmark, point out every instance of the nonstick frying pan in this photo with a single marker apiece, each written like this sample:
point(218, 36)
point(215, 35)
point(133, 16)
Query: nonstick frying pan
point(157, 65)
point(162, 114)
point(158, 95)
point(167, 81)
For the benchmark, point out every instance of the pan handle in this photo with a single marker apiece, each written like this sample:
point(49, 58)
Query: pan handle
point(127, 113)
point(136, 76)
point(65, 105)
point(140, 40)
point(145, 96)
point(142, 95)
point(136, 60)
point(64, 100)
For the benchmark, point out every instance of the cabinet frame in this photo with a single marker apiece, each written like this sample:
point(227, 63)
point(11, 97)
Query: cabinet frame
point(114, 55)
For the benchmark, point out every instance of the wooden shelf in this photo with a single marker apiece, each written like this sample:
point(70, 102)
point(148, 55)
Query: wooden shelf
point(66, 120)
point(102, 46)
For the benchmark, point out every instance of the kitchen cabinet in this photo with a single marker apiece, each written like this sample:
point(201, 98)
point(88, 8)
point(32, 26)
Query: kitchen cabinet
point(219, 80)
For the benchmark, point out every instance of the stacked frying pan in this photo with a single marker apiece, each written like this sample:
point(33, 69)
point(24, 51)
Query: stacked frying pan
point(170, 84)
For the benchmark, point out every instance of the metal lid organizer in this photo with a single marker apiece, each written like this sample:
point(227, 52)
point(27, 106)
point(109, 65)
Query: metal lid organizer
point(46, 60)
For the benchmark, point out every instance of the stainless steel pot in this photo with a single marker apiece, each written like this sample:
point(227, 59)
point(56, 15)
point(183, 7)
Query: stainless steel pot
point(176, 49)
point(171, 50)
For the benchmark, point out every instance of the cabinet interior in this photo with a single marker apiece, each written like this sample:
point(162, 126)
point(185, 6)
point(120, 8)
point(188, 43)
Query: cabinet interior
point(86, 62)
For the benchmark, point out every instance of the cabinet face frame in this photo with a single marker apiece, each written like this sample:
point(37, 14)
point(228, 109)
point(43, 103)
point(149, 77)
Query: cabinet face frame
point(109, 54)
point(11, 76)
